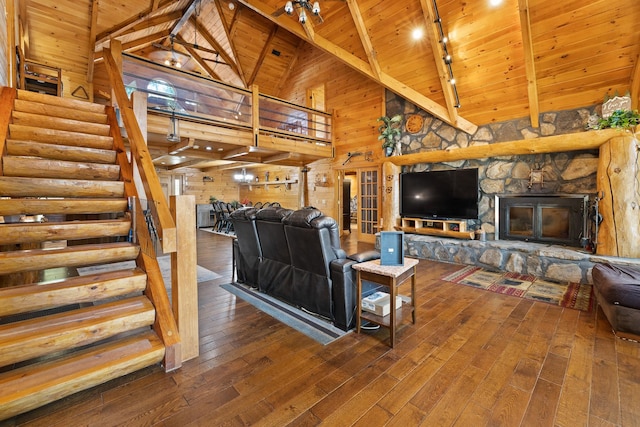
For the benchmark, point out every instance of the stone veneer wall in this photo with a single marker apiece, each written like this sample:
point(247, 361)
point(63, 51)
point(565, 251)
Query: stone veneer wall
point(568, 173)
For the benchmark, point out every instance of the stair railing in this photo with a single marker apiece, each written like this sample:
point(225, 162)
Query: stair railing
point(165, 224)
point(165, 323)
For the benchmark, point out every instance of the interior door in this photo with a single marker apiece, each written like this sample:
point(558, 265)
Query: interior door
point(368, 196)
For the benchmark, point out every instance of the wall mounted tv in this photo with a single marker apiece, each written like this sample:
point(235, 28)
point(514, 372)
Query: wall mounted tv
point(442, 194)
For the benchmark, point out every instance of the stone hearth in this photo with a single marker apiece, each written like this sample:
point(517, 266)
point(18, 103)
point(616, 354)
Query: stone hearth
point(549, 262)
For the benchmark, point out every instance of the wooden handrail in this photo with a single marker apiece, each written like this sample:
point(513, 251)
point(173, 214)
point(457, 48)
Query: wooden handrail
point(165, 324)
point(140, 152)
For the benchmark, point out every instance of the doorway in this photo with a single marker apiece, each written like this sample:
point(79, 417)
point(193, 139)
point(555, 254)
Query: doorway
point(360, 206)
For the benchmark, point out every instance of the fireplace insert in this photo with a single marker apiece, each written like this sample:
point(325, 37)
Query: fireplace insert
point(549, 218)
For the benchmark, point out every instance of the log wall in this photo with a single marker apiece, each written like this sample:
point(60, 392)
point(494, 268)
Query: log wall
point(618, 183)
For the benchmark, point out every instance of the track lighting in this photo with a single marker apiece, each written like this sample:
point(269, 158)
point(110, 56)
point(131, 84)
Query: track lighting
point(447, 58)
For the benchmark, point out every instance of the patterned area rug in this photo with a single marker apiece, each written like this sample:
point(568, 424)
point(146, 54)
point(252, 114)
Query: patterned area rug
point(571, 295)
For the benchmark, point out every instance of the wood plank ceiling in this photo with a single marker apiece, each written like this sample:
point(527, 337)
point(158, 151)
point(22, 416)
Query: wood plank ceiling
point(512, 60)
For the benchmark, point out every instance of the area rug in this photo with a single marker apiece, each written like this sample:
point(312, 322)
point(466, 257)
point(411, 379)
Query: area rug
point(312, 326)
point(571, 295)
point(164, 262)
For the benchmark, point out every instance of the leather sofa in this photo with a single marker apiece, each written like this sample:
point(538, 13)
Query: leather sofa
point(617, 290)
point(301, 261)
point(247, 251)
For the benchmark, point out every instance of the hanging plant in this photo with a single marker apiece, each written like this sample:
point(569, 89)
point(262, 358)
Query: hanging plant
point(390, 130)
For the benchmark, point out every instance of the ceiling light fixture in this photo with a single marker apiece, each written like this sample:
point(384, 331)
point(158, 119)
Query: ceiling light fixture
point(174, 131)
point(447, 57)
point(302, 7)
point(243, 176)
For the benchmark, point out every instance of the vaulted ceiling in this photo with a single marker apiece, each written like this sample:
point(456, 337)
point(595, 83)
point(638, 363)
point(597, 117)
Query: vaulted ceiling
point(512, 60)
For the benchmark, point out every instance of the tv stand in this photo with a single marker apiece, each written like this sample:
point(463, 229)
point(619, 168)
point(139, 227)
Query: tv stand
point(436, 227)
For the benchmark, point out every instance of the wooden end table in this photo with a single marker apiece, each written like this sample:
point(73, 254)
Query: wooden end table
point(391, 276)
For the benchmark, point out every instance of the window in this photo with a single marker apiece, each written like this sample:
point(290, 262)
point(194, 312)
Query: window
point(162, 93)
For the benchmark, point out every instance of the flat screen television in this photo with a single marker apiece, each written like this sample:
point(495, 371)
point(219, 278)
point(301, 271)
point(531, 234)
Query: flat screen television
point(442, 194)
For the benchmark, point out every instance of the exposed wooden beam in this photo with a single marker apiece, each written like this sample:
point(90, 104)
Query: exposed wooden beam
point(196, 56)
point(202, 31)
point(277, 158)
point(590, 140)
point(429, 12)
point(131, 21)
point(185, 164)
point(635, 85)
point(237, 67)
point(136, 44)
point(180, 146)
point(92, 37)
point(364, 37)
point(363, 67)
point(152, 22)
point(263, 54)
point(186, 15)
point(238, 152)
point(527, 44)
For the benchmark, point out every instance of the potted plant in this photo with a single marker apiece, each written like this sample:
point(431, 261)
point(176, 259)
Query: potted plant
point(619, 119)
point(389, 130)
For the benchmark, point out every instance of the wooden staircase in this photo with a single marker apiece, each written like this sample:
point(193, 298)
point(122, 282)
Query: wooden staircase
point(60, 336)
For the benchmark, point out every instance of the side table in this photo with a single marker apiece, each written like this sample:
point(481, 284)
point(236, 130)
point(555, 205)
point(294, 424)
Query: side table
point(391, 276)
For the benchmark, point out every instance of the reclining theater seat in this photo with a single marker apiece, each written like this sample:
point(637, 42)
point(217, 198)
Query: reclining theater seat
point(246, 246)
point(323, 279)
point(275, 271)
point(617, 290)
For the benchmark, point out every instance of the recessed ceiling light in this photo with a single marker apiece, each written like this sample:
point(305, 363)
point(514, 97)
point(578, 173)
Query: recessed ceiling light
point(219, 149)
point(417, 33)
point(208, 148)
point(495, 2)
point(232, 5)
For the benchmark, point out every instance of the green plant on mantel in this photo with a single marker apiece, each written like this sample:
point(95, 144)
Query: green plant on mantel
point(619, 119)
point(389, 130)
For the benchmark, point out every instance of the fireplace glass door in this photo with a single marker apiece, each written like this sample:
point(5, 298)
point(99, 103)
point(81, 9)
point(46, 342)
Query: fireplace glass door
point(543, 219)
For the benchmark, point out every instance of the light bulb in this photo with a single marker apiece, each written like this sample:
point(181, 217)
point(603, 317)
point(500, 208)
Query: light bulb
point(288, 8)
point(316, 8)
point(303, 17)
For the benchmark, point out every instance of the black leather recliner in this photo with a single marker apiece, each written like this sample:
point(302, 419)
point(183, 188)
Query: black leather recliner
point(246, 246)
point(323, 277)
point(275, 271)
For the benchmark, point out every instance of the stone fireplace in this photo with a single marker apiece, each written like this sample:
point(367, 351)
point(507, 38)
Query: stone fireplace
point(548, 218)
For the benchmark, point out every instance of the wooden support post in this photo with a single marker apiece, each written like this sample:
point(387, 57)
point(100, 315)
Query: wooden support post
point(184, 276)
point(618, 182)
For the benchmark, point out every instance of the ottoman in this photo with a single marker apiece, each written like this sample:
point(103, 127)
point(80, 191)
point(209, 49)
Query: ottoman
point(617, 290)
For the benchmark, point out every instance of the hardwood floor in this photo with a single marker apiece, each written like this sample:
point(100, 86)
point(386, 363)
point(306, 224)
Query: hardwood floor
point(474, 358)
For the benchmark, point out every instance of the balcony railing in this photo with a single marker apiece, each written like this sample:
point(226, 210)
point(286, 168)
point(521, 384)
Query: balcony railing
point(200, 99)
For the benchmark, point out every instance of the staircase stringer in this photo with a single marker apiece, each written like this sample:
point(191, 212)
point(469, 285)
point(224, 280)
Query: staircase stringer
point(7, 97)
point(165, 324)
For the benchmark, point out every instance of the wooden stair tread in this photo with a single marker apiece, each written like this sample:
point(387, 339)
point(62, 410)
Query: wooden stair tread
point(59, 123)
point(17, 131)
point(24, 232)
point(52, 187)
point(32, 206)
point(80, 289)
point(29, 339)
point(62, 169)
point(42, 259)
point(33, 386)
point(59, 111)
point(60, 152)
point(59, 101)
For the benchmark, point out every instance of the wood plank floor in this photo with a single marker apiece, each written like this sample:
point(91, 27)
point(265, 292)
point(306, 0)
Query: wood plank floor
point(474, 358)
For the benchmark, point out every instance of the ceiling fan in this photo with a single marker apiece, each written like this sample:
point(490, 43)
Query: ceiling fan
point(302, 7)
